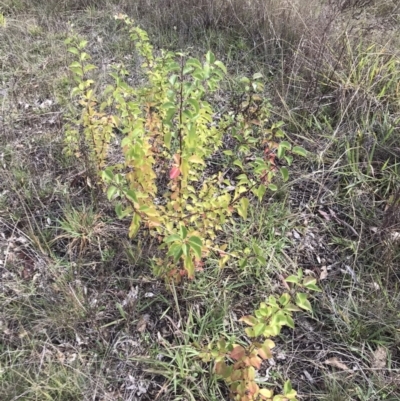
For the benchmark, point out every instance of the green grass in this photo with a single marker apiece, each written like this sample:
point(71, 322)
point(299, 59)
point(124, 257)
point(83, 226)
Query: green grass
point(75, 291)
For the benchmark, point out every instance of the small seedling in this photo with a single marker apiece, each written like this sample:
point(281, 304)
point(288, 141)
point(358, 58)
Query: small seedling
point(170, 132)
point(237, 365)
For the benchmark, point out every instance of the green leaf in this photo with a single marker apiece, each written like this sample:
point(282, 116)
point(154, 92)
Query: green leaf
point(285, 173)
point(309, 280)
point(131, 195)
point(258, 75)
point(289, 321)
point(272, 330)
point(75, 64)
point(167, 139)
point(73, 50)
point(273, 187)
point(291, 308)
point(285, 145)
point(289, 159)
point(189, 266)
point(238, 163)
point(243, 207)
point(298, 150)
point(292, 279)
point(289, 392)
point(302, 301)
point(257, 250)
point(187, 69)
point(168, 116)
point(260, 192)
point(82, 44)
point(311, 283)
point(195, 105)
point(284, 299)
point(221, 66)
point(183, 231)
point(272, 301)
point(175, 251)
point(243, 263)
point(118, 211)
point(196, 244)
point(259, 329)
point(287, 388)
point(243, 179)
point(193, 62)
point(210, 57)
point(111, 191)
point(198, 74)
point(79, 72)
point(172, 238)
point(89, 67)
point(282, 148)
point(313, 287)
point(107, 175)
point(172, 79)
point(279, 319)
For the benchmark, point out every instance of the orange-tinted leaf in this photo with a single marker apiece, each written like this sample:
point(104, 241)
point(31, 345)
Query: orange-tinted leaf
point(265, 352)
point(177, 158)
point(250, 320)
point(222, 369)
point(219, 367)
point(255, 361)
point(253, 388)
point(238, 352)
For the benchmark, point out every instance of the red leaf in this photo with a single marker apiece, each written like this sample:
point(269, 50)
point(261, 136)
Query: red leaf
point(174, 173)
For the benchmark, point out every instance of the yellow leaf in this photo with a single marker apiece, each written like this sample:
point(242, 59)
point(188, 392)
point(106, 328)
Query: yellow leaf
point(196, 159)
point(265, 393)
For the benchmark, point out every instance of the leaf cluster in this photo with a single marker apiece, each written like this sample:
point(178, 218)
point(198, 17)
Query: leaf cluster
point(170, 133)
point(237, 365)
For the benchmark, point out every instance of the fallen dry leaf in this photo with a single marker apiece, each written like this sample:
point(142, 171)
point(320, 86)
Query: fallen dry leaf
point(336, 363)
point(142, 323)
point(324, 273)
point(379, 358)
